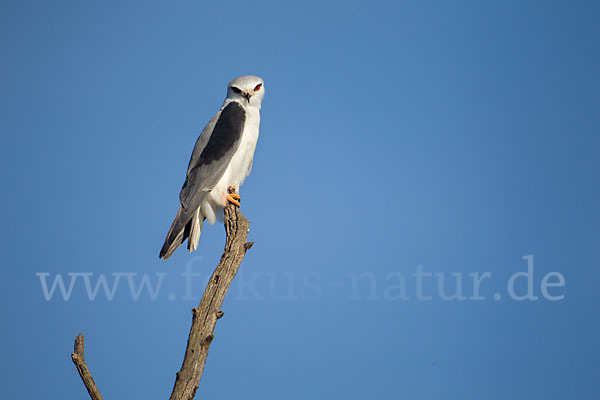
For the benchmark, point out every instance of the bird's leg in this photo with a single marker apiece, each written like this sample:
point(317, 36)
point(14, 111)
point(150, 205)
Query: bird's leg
point(232, 196)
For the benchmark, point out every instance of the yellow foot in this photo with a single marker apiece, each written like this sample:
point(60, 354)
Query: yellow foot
point(232, 196)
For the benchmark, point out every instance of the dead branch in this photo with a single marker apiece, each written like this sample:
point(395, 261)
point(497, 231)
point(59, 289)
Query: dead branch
point(204, 318)
point(208, 311)
point(84, 372)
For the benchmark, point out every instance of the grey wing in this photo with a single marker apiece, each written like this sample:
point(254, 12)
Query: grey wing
point(203, 140)
point(208, 163)
point(205, 170)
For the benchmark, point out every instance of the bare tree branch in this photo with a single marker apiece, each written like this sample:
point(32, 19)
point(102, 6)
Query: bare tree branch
point(204, 318)
point(84, 372)
point(208, 311)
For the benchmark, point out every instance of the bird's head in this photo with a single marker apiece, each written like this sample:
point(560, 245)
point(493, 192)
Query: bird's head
point(247, 89)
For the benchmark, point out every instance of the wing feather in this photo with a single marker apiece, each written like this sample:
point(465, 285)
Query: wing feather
point(210, 158)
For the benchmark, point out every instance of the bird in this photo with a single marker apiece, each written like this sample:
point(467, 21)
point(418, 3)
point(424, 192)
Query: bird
point(221, 160)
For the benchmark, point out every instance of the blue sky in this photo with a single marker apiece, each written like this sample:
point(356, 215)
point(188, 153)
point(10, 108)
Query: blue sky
point(456, 136)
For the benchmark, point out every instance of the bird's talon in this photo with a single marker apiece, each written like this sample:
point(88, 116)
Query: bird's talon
point(233, 200)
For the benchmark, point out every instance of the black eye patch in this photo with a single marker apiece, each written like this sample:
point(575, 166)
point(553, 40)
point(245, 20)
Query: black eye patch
point(236, 90)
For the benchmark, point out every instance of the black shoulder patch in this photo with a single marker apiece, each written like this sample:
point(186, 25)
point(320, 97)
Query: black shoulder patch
point(226, 133)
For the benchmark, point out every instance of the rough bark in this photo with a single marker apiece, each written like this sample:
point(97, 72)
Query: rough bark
point(84, 372)
point(204, 318)
point(208, 311)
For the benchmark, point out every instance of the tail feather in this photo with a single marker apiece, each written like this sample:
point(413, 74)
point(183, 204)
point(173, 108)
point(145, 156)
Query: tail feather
point(179, 231)
point(195, 230)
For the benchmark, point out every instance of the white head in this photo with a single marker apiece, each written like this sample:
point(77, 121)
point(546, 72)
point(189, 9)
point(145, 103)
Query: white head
point(247, 89)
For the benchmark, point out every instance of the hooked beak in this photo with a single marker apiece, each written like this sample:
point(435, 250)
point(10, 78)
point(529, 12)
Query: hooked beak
point(248, 95)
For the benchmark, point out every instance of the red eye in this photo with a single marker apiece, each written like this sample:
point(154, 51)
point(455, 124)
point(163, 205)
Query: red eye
point(257, 87)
